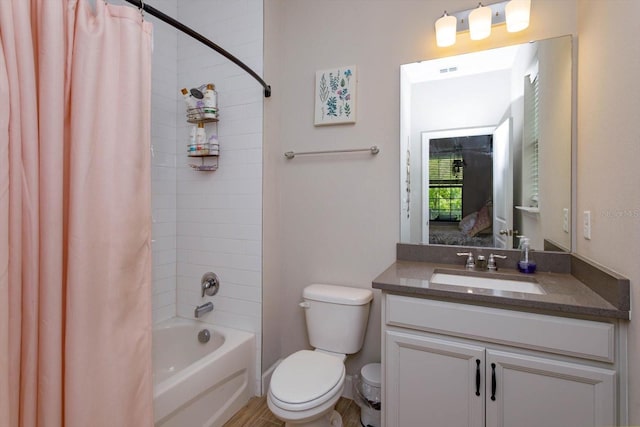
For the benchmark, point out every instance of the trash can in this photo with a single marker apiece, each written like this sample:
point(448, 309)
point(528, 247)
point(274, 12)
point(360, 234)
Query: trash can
point(368, 394)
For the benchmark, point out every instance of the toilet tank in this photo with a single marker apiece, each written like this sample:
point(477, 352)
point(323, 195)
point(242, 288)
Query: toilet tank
point(336, 317)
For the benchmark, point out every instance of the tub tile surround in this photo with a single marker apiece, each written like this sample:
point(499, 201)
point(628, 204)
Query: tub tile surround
point(574, 285)
point(219, 214)
point(208, 221)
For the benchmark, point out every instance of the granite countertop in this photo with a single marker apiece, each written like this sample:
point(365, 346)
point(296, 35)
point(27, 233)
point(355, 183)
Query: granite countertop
point(565, 294)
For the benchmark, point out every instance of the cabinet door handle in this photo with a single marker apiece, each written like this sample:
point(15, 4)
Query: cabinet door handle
point(477, 377)
point(493, 381)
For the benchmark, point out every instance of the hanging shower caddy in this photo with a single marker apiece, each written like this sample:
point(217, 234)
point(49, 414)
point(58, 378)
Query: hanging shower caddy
point(202, 109)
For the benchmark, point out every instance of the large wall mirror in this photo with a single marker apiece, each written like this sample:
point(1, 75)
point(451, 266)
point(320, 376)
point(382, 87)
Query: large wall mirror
point(486, 147)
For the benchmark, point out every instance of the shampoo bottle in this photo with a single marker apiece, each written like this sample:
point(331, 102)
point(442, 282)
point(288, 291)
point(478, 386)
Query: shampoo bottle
point(192, 146)
point(189, 100)
point(210, 102)
point(214, 147)
point(202, 147)
point(526, 264)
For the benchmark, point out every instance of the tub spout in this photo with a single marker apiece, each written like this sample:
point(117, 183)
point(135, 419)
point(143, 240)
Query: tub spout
point(202, 309)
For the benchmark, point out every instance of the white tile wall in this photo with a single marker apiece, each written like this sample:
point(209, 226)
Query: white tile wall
point(164, 77)
point(219, 214)
point(208, 221)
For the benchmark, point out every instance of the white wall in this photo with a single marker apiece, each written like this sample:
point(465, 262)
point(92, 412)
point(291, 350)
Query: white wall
point(609, 151)
point(272, 261)
point(164, 73)
point(219, 214)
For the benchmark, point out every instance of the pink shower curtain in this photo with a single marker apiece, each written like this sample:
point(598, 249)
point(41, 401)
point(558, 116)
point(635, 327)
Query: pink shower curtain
point(75, 315)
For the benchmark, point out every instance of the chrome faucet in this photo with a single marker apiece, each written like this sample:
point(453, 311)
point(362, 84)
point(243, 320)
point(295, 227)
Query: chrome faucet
point(209, 284)
point(202, 309)
point(492, 266)
point(471, 262)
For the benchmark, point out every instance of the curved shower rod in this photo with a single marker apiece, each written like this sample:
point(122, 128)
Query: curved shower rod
point(188, 31)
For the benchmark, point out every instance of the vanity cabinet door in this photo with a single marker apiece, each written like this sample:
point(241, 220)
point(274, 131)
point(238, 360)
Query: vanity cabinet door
point(528, 391)
point(433, 382)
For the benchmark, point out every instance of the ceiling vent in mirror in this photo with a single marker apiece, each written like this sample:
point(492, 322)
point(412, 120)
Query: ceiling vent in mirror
point(448, 70)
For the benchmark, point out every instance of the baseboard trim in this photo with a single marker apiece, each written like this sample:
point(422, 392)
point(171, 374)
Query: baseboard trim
point(266, 377)
point(348, 387)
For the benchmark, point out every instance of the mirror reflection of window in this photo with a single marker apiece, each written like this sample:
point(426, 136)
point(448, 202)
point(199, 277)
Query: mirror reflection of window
point(531, 138)
point(445, 187)
point(460, 188)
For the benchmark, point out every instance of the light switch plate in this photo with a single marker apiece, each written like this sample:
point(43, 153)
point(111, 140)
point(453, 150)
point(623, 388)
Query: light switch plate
point(587, 224)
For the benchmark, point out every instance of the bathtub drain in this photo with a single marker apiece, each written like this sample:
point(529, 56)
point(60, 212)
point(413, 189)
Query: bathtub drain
point(204, 336)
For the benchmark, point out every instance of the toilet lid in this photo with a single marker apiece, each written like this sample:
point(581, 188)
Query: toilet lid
point(305, 375)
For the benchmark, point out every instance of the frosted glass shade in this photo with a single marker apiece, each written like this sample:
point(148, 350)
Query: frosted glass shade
point(446, 31)
point(480, 23)
point(517, 15)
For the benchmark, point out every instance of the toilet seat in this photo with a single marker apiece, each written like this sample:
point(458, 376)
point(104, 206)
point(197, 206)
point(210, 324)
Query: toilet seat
point(305, 380)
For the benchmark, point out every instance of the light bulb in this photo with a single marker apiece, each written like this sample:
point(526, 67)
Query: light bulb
point(480, 23)
point(517, 15)
point(446, 30)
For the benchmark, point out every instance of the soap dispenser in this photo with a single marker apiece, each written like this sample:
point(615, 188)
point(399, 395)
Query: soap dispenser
point(526, 264)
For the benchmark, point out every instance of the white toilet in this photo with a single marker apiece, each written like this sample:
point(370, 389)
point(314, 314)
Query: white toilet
point(306, 385)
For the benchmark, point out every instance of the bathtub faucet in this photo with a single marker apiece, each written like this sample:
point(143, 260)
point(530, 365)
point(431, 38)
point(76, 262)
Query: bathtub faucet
point(202, 309)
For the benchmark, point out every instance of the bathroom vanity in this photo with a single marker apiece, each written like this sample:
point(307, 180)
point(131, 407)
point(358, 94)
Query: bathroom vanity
point(462, 347)
point(460, 354)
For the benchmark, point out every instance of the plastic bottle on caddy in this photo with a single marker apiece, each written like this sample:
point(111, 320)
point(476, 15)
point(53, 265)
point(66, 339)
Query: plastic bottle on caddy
point(190, 103)
point(214, 147)
point(210, 102)
point(192, 146)
point(189, 100)
point(202, 145)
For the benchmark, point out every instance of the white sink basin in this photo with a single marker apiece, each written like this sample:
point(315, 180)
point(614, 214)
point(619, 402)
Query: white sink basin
point(509, 283)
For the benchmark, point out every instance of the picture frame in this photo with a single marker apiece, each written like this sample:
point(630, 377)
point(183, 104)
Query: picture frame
point(335, 96)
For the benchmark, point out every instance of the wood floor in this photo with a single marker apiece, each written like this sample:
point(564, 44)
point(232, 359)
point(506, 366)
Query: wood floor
point(257, 414)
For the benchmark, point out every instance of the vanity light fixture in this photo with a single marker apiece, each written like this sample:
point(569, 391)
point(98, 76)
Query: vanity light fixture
point(478, 21)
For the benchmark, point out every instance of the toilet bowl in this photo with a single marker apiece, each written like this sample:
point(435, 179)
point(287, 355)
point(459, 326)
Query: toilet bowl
point(307, 384)
point(305, 387)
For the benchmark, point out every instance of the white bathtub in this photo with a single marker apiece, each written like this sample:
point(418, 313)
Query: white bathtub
point(200, 384)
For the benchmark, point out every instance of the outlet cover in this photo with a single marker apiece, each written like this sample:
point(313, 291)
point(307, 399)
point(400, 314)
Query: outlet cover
point(565, 220)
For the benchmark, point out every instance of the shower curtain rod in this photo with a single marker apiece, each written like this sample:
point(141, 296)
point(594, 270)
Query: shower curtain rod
point(188, 31)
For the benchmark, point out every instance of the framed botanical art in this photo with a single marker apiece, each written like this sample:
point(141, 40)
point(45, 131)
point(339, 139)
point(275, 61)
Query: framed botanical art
point(335, 98)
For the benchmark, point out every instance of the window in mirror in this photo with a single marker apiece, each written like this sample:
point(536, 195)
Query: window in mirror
point(531, 138)
point(445, 187)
